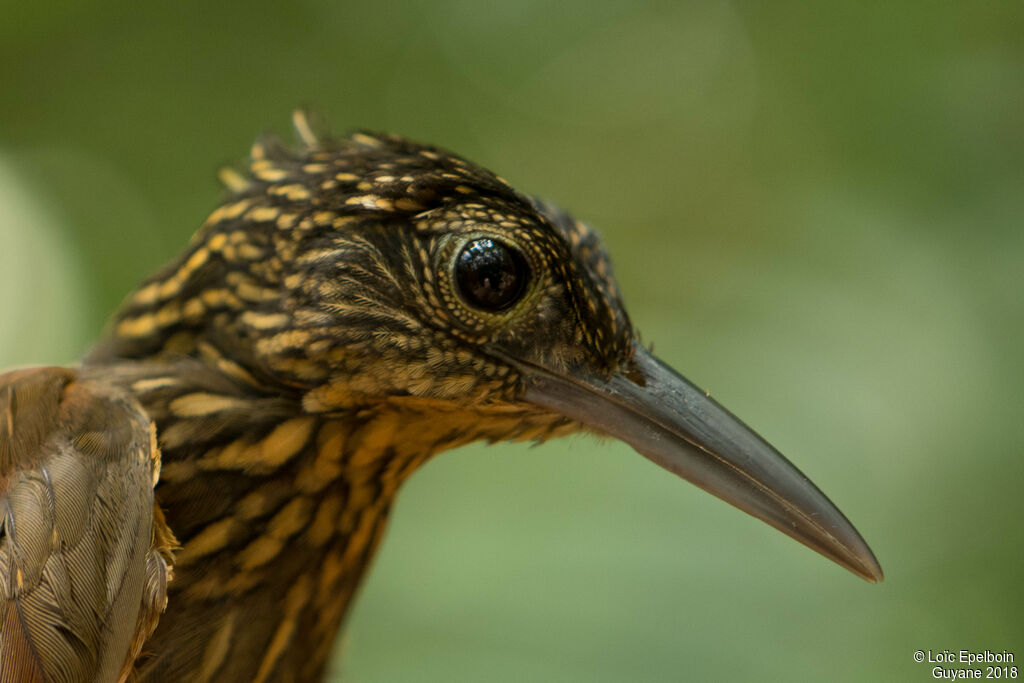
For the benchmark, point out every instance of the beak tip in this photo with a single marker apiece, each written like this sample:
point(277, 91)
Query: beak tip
point(862, 562)
point(849, 550)
point(874, 573)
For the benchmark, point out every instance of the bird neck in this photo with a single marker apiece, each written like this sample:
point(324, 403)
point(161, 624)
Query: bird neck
point(279, 503)
point(277, 511)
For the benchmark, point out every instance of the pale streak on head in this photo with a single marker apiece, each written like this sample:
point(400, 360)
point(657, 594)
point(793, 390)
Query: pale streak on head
point(304, 128)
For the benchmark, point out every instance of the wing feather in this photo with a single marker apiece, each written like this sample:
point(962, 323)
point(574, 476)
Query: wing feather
point(84, 554)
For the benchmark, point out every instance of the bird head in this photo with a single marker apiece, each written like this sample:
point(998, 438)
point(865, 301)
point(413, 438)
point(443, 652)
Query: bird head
point(373, 271)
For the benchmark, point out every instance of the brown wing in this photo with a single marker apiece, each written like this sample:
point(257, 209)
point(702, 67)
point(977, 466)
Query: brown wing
point(84, 553)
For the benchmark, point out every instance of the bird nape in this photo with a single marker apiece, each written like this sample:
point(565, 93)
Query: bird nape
point(198, 500)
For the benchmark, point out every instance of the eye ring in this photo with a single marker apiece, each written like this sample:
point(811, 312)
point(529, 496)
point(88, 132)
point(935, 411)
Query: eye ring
point(490, 275)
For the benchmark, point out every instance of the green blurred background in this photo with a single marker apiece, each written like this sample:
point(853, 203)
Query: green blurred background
point(815, 211)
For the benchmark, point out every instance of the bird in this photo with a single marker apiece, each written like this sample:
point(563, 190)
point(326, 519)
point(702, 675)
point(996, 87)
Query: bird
point(199, 498)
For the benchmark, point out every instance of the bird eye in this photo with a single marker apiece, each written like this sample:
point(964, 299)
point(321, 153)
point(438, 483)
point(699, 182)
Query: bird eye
point(490, 275)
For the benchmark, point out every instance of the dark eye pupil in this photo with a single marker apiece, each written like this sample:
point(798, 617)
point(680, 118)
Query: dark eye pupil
point(490, 275)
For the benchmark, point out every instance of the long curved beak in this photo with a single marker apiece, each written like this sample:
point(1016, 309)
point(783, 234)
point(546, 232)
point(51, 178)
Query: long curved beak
point(669, 420)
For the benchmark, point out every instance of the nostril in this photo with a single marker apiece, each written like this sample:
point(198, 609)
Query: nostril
point(633, 373)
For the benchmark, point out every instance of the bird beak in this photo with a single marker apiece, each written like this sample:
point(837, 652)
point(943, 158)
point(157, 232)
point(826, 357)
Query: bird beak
point(662, 415)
